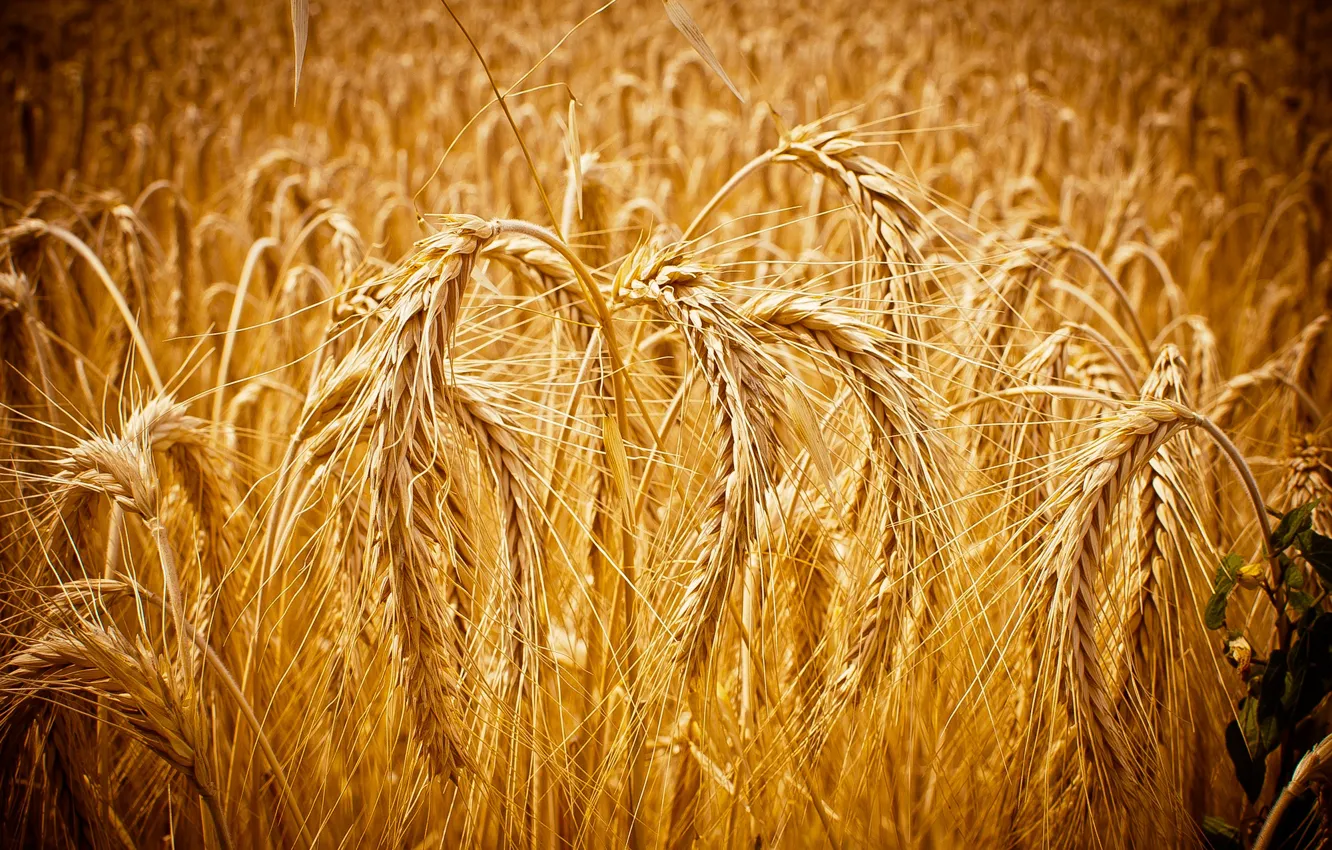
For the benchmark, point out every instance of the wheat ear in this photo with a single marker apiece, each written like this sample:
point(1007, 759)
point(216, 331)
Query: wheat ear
point(740, 384)
point(1071, 560)
point(97, 663)
point(1159, 534)
point(917, 465)
point(410, 350)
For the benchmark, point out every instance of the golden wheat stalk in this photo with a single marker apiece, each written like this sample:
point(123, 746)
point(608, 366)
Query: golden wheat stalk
point(410, 350)
point(916, 466)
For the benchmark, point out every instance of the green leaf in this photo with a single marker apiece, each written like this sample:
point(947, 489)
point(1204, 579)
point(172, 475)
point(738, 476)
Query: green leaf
point(1292, 525)
point(1250, 768)
point(1317, 550)
point(1290, 700)
point(1293, 577)
point(1269, 733)
point(1214, 617)
point(1248, 721)
point(1300, 601)
point(1311, 666)
point(1226, 572)
point(1274, 686)
point(1220, 835)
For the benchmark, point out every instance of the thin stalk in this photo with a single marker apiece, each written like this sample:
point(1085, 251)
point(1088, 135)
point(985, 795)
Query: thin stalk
point(115, 528)
point(1105, 315)
point(171, 582)
point(229, 341)
point(1053, 390)
point(561, 441)
point(82, 249)
point(651, 467)
point(170, 575)
point(745, 170)
point(1276, 587)
point(1255, 496)
point(504, 105)
point(1084, 253)
point(782, 725)
point(592, 293)
point(1120, 363)
point(279, 494)
point(219, 822)
point(41, 355)
point(1303, 395)
point(1312, 762)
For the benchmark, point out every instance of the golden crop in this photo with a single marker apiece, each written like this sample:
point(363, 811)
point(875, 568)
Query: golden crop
point(923, 451)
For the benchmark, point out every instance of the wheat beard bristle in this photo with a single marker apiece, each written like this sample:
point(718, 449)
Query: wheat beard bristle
point(915, 470)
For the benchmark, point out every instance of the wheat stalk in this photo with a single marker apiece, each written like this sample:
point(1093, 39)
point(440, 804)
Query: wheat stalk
point(916, 464)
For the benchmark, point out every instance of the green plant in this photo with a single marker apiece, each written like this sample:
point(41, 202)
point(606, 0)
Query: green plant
point(1282, 690)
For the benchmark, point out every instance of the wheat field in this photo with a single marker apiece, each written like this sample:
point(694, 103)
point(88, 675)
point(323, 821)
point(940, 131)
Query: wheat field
point(760, 424)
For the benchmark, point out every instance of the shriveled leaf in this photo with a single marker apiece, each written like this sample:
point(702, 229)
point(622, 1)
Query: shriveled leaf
point(1239, 653)
point(300, 30)
point(1250, 768)
point(617, 461)
point(1292, 525)
point(684, 22)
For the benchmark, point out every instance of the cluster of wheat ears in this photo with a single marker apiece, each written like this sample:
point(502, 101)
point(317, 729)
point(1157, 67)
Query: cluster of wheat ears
point(620, 463)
